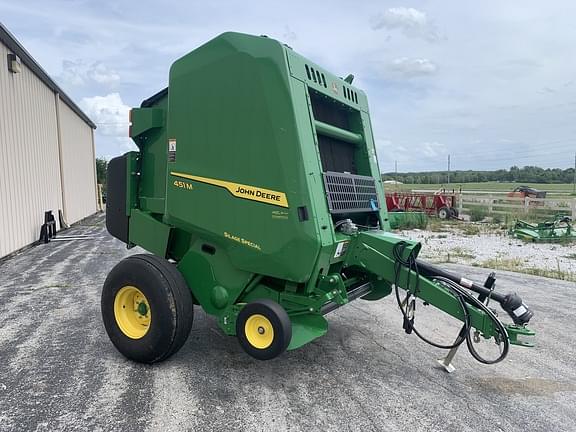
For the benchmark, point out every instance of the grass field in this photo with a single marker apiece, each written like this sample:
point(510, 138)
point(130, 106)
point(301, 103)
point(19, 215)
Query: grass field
point(559, 188)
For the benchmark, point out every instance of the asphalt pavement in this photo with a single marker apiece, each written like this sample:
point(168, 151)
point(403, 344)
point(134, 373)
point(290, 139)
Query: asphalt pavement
point(58, 370)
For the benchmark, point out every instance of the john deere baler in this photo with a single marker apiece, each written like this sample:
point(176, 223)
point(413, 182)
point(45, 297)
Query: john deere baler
point(257, 191)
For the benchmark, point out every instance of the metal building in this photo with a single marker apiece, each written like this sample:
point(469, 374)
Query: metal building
point(47, 159)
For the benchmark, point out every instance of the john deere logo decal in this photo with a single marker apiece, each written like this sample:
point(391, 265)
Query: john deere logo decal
point(241, 190)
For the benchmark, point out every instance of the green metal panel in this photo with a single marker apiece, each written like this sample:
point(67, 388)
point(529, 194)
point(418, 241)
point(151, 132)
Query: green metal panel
point(335, 87)
point(145, 119)
point(133, 178)
point(148, 130)
point(240, 131)
point(149, 232)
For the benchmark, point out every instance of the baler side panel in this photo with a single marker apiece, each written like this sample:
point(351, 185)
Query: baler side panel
point(233, 119)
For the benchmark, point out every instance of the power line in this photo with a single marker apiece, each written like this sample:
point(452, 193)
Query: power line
point(513, 153)
point(513, 159)
point(489, 165)
point(549, 144)
point(510, 156)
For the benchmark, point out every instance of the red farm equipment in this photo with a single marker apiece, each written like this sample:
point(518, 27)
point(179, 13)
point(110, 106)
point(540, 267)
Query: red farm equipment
point(523, 192)
point(439, 203)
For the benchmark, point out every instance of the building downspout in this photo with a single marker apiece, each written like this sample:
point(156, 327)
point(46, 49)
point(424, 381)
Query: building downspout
point(97, 192)
point(60, 158)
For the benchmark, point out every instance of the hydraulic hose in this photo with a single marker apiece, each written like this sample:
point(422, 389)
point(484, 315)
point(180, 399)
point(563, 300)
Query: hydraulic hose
point(501, 329)
point(412, 264)
point(457, 288)
point(511, 303)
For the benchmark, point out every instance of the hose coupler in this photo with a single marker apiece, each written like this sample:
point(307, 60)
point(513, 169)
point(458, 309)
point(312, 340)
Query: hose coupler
point(514, 306)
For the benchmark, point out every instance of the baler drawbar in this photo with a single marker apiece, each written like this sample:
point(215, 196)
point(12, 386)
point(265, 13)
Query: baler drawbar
point(257, 192)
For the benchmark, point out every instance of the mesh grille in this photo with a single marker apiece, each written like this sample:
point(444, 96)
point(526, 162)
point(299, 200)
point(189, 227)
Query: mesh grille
point(349, 193)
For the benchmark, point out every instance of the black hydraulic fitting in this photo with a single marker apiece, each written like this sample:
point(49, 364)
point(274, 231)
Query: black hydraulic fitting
point(516, 308)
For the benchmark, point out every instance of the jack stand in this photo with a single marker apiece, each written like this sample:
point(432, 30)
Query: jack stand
point(446, 362)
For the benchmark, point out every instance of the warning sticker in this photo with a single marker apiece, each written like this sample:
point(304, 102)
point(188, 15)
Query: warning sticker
point(341, 249)
point(172, 150)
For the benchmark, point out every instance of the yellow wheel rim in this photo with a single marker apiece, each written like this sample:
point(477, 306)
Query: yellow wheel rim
point(132, 312)
point(259, 331)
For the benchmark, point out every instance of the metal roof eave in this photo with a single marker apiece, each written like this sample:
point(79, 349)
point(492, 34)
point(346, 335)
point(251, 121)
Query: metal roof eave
point(16, 47)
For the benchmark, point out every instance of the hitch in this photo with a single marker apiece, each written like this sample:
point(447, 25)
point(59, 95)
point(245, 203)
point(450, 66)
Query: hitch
point(394, 260)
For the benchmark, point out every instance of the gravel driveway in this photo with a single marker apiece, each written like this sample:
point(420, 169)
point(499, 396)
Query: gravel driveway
point(60, 372)
point(476, 249)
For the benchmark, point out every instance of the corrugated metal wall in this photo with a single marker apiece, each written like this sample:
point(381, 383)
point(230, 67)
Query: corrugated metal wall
point(78, 168)
point(29, 162)
point(30, 178)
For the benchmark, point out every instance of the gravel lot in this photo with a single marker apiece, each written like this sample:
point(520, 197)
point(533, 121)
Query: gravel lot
point(60, 372)
point(476, 249)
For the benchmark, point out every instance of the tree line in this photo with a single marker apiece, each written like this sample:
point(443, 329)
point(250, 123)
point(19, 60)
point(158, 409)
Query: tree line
point(527, 174)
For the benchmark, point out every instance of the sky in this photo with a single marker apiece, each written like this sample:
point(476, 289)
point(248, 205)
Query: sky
point(490, 83)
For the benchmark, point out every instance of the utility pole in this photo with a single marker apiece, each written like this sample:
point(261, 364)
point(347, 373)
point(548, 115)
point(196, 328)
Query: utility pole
point(574, 183)
point(396, 175)
point(448, 169)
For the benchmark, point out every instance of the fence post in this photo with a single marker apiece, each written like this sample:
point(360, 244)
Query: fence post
point(573, 208)
point(490, 202)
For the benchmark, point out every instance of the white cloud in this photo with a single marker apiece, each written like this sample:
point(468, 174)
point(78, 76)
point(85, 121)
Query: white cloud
point(81, 73)
point(433, 149)
point(110, 114)
point(412, 67)
point(412, 22)
point(100, 73)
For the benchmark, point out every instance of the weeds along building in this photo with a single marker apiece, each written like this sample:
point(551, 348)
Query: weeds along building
point(47, 159)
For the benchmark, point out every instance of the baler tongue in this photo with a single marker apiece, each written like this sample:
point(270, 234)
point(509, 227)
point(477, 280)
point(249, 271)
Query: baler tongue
point(384, 254)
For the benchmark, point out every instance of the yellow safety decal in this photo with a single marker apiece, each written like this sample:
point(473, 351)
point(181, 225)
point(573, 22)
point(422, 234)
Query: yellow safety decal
point(242, 191)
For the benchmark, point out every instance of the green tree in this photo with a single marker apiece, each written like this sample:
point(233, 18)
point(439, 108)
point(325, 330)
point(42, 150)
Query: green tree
point(101, 167)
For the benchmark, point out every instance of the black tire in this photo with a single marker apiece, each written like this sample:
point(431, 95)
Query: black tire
point(169, 301)
point(454, 212)
point(279, 321)
point(443, 213)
